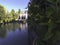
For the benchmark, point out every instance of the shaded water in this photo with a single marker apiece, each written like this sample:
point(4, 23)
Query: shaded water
point(14, 34)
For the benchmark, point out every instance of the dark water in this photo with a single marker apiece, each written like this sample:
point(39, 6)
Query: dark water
point(14, 34)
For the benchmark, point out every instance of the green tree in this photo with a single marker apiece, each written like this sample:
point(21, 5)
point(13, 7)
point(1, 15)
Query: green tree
point(3, 12)
point(19, 11)
point(13, 14)
point(9, 17)
point(45, 13)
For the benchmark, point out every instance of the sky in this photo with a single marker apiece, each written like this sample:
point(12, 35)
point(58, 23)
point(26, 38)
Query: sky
point(14, 4)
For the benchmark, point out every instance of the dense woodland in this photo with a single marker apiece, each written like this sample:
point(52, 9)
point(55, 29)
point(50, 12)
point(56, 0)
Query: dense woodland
point(44, 17)
point(6, 16)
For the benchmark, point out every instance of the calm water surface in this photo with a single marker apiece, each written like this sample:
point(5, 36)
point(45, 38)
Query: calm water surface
point(14, 34)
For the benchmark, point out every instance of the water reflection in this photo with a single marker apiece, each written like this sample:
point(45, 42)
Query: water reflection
point(14, 34)
point(23, 26)
point(13, 26)
point(3, 33)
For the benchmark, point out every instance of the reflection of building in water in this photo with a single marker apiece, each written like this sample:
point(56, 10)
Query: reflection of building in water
point(23, 26)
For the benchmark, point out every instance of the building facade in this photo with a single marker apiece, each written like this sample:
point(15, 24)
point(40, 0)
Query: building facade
point(24, 15)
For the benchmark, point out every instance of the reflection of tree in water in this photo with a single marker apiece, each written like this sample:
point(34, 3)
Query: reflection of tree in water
point(32, 34)
point(37, 28)
point(3, 32)
point(45, 37)
point(19, 28)
point(14, 27)
point(4, 29)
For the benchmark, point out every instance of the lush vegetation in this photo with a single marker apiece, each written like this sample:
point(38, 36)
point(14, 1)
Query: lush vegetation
point(6, 16)
point(44, 17)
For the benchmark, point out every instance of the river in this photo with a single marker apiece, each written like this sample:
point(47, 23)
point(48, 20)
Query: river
point(16, 34)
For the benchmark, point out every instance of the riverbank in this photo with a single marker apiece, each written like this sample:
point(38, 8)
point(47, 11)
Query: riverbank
point(14, 21)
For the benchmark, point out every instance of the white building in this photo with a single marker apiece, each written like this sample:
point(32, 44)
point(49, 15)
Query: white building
point(24, 15)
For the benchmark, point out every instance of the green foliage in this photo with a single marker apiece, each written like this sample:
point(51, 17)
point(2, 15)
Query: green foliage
point(13, 12)
point(15, 15)
point(2, 13)
point(19, 11)
point(53, 0)
point(46, 12)
point(6, 16)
